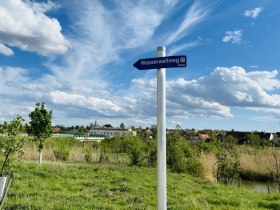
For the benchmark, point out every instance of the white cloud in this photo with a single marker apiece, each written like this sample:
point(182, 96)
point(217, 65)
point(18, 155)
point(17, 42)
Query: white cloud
point(175, 49)
point(223, 89)
point(92, 103)
point(10, 75)
point(13, 96)
point(236, 87)
point(41, 7)
point(254, 13)
point(234, 37)
point(31, 30)
point(241, 96)
point(141, 21)
point(179, 101)
point(5, 50)
point(197, 13)
point(209, 96)
point(103, 35)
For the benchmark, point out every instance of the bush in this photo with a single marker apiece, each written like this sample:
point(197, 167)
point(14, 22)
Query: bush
point(230, 141)
point(134, 156)
point(276, 171)
point(95, 145)
point(61, 153)
point(88, 157)
point(181, 158)
point(210, 147)
point(152, 158)
point(103, 158)
point(134, 147)
point(228, 165)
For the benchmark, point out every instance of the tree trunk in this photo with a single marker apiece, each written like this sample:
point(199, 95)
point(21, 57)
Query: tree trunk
point(4, 165)
point(40, 156)
point(5, 191)
point(2, 187)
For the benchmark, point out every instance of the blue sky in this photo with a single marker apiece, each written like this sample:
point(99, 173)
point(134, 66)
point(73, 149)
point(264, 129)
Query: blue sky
point(77, 57)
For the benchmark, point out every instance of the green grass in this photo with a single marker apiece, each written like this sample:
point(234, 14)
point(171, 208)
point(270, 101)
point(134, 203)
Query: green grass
point(56, 185)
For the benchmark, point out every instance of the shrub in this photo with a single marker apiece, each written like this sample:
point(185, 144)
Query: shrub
point(210, 147)
point(152, 158)
point(230, 140)
point(276, 171)
point(134, 147)
point(61, 153)
point(134, 156)
point(181, 158)
point(88, 157)
point(103, 158)
point(228, 165)
point(95, 145)
point(253, 139)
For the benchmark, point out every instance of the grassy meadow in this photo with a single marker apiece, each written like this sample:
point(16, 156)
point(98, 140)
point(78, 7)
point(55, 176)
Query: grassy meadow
point(82, 182)
point(57, 185)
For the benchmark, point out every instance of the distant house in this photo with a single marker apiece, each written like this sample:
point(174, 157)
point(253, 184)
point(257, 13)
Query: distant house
point(266, 136)
point(203, 137)
point(111, 132)
point(199, 138)
point(207, 131)
point(56, 129)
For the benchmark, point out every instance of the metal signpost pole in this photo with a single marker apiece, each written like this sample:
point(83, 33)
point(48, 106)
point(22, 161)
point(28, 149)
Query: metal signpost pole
point(161, 62)
point(161, 134)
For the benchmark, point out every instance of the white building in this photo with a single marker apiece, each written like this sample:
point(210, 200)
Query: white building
point(110, 132)
point(90, 138)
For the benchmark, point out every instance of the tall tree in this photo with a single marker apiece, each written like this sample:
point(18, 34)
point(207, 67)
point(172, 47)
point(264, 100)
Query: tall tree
point(107, 126)
point(122, 126)
point(40, 126)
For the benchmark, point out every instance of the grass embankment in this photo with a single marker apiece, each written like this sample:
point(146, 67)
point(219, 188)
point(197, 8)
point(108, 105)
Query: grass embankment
point(57, 185)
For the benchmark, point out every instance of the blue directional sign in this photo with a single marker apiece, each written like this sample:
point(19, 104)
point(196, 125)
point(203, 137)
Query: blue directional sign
point(161, 62)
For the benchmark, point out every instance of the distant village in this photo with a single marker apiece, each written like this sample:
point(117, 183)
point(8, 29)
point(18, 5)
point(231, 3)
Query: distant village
point(95, 132)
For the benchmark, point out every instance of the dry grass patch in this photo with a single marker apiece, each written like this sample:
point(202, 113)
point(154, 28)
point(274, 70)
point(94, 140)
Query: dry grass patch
point(208, 161)
point(258, 163)
point(31, 153)
point(255, 163)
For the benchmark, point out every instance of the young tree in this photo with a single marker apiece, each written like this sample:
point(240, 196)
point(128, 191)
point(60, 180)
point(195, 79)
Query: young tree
point(254, 139)
point(276, 171)
point(82, 129)
point(228, 164)
point(10, 143)
point(213, 137)
point(40, 126)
